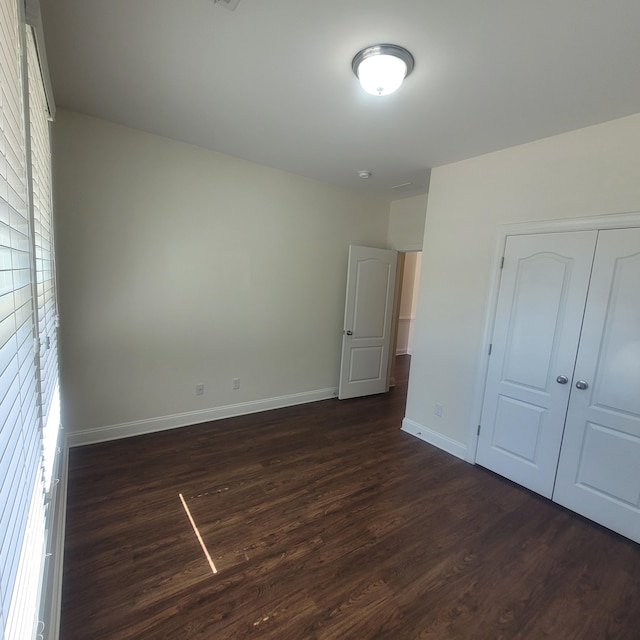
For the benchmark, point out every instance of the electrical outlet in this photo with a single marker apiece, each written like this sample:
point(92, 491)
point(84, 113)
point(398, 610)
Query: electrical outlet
point(437, 410)
point(199, 389)
point(236, 384)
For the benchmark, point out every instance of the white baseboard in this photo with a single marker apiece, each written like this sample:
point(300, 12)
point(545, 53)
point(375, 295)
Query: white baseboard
point(140, 427)
point(453, 447)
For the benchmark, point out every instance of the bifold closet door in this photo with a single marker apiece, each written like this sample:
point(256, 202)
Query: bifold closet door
point(541, 302)
point(599, 467)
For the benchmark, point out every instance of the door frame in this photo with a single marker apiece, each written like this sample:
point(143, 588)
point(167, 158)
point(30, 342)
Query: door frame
point(590, 223)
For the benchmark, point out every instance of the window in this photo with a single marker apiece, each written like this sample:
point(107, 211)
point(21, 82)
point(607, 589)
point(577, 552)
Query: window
point(28, 358)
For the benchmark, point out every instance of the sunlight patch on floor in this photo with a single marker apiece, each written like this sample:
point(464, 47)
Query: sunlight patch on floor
point(195, 529)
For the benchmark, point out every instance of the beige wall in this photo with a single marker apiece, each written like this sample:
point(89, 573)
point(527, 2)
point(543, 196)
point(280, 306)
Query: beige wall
point(583, 173)
point(179, 266)
point(406, 223)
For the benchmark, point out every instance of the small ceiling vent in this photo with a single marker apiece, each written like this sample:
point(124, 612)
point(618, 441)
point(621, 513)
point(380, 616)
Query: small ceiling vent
point(400, 187)
point(227, 4)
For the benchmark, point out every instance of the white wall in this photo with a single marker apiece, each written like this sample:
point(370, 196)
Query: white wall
point(406, 223)
point(179, 266)
point(587, 172)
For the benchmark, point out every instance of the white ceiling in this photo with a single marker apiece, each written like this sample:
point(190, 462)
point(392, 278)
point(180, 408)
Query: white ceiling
point(272, 82)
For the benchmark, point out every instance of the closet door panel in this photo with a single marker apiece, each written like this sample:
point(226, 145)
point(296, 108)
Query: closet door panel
point(538, 318)
point(599, 467)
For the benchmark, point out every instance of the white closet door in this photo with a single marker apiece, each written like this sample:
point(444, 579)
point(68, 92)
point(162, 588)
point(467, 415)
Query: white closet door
point(537, 327)
point(599, 468)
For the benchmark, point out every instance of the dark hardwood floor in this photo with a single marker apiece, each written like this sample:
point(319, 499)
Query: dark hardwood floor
point(326, 521)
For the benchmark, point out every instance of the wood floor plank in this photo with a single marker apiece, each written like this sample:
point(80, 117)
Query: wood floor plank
point(325, 521)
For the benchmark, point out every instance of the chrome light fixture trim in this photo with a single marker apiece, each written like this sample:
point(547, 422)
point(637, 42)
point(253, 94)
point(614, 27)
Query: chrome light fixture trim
point(388, 50)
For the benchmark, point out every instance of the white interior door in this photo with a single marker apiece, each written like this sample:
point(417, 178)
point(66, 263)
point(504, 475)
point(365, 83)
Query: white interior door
point(599, 468)
point(371, 277)
point(541, 301)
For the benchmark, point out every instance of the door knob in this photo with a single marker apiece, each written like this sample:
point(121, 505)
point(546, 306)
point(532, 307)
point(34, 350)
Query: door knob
point(581, 384)
point(349, 333)
point(562, 379)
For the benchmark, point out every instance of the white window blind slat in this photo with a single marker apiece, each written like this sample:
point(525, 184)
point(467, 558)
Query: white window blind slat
point(6, 297)
point(7, 354)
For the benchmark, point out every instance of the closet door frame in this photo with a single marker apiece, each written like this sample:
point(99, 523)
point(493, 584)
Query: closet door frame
point(590, 223)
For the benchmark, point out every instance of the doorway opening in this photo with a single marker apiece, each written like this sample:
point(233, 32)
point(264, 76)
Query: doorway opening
point(407, 287)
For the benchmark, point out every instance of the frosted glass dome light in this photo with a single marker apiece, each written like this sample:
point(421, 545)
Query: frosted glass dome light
point(382, 68)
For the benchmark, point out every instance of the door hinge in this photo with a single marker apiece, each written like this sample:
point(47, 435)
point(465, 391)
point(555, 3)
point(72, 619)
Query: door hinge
point(478, 432)
point(490, 347)
point(502, 262)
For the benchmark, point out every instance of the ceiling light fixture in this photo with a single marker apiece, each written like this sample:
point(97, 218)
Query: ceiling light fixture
point(227, 4)
point(382, 68)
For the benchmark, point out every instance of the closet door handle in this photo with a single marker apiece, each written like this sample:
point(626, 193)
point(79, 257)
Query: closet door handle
point(562, 379)
point(581, 384)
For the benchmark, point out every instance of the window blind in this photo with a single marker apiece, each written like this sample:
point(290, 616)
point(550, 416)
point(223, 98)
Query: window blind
point(44, 258)
point(19, 421)
point(28, 379)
